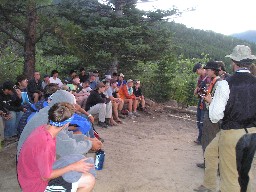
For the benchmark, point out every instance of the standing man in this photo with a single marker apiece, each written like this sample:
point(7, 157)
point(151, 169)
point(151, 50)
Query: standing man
point(234, 103)
point(202, 82)
point(222, 70)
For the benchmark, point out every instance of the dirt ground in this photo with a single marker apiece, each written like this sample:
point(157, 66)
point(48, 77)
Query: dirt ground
point(150, 153)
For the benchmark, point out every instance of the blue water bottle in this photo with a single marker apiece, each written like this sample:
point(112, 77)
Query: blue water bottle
point(99, 159)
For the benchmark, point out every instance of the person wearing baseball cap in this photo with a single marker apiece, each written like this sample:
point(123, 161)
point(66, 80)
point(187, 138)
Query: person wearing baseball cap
point(234, 105)
point(11, 104)
point(121, 80)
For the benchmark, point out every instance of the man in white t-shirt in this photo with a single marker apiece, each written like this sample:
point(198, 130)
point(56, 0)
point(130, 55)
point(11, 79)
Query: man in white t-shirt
point(54, 78)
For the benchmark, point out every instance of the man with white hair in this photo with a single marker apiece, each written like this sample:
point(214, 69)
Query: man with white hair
point(234, 105)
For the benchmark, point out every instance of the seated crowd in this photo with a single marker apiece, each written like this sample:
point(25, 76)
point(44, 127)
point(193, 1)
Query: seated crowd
point(26, 105)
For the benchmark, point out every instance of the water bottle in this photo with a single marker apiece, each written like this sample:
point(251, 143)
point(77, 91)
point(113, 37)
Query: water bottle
point(99, 159)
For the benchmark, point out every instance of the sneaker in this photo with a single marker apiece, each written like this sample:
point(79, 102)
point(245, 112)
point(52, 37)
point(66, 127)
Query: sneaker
point(136, 114)
point(200, 165)
point(102, 124)
point(121, 116)
point(202, 189)
point(131, 116)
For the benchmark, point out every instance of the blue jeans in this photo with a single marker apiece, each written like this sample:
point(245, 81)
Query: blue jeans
point(10, 126)
point(199, 121)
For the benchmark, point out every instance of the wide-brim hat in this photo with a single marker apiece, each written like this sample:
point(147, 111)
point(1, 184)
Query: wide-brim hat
point(241, 52)
point(129, 80)
point(212, 65)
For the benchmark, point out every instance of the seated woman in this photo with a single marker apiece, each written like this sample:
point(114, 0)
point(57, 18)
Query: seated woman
point(78, 91)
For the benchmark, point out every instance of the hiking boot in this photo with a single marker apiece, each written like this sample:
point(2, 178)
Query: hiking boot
point(200, 165)
point(102, 124)
point(202, 189)
point(136, 114)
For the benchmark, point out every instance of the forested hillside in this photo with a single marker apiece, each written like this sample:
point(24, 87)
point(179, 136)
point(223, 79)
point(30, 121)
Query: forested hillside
point(247, 35)
point(111, 36)
point(192, 42)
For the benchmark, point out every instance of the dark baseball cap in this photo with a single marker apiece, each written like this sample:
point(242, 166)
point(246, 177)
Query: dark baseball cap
point(9, 85)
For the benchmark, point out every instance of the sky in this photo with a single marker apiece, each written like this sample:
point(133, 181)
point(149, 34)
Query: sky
point(221, 16)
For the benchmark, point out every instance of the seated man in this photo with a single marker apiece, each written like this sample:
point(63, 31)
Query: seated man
point(139, 96)
point(117, 103)
point(97, 103)
point(35, 88)
point(38, 154)
point(66, 142)
point(54, 78)
point(83, 76)
point(92, 80)
point(46, 81)
point(71, 76)
point(126, 93)
point(11, 100)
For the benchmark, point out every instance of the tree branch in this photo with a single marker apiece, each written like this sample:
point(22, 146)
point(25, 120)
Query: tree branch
point(42, 34)
point(12, 36)
point(7, 18)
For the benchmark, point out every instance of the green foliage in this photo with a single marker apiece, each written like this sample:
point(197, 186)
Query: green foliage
point(170, 78)
point(11, 64)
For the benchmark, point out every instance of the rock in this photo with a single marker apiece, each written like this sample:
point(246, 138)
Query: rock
point(192, 108)
point(149, 102)
point(173, 103)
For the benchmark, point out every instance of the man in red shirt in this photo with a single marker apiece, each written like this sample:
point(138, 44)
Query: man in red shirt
point(38, 154)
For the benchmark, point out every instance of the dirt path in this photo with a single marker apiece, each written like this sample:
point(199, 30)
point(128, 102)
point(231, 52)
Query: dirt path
point(152, 153)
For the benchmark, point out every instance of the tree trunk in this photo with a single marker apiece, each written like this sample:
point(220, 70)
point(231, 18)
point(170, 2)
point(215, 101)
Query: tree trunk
point(119, 4)
point(30, 41)
point(114, 66)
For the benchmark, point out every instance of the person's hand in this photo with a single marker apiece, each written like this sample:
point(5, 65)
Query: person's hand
point(24, 110)
point(77, 107)
point(208, 98)
point(91, 118)
point(96, 144)
point(82, 166)
point(7, 116)
point(18, 91)
point(195, 91)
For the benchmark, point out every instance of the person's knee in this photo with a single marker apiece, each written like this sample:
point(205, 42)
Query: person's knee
point(87, 180)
